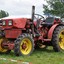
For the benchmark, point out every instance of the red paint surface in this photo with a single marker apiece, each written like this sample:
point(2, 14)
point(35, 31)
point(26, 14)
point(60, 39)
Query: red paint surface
point(9, 45)
point(46, 40)
point(12, 33)
point(51, 30)
point(19, 23)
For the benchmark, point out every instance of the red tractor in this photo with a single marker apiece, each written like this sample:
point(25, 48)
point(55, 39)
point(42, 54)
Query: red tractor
point(24, 34)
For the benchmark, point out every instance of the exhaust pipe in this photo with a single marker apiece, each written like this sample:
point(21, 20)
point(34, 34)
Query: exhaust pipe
point(33, 13)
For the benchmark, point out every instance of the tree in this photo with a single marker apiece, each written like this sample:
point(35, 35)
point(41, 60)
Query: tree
point(55, 7)
point(3, 14)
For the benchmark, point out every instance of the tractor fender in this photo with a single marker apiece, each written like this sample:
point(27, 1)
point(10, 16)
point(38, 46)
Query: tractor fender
point(51, 30)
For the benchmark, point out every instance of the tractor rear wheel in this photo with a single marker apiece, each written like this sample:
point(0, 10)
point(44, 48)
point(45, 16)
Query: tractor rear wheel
point(2, 50)
point(24, 45)
point(58, 39)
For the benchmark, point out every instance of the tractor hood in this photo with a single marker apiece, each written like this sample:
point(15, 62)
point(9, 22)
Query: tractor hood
point(19, 22)
point(16, 22)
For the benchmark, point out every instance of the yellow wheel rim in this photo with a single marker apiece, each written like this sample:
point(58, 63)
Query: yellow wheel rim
point(61, 39)
point(25, 46)
point(2, 49)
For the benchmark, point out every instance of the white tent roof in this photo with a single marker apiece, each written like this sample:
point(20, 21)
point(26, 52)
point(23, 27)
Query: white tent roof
point(11, 17)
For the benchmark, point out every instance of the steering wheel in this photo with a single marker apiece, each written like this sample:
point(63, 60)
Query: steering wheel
point(39, 19)
point(38, 16)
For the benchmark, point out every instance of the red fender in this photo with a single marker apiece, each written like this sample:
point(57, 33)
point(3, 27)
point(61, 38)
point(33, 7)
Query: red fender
point(50, 33)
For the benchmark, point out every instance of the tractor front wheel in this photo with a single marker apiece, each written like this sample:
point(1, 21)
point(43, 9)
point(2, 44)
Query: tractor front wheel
point(58, 39)
point(24, 45)
point(2, 50)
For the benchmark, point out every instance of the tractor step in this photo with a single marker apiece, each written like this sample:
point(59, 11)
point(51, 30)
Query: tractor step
point(46, 40)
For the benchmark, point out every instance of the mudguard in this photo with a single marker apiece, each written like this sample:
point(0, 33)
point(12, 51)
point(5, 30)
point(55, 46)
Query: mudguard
point(51, 30)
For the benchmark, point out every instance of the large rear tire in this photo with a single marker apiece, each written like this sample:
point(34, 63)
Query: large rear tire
point(58, 39)
point(24, 45)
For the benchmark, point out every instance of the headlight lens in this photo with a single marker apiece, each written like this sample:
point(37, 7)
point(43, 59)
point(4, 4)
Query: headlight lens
point(3, 22)
point(10, 22)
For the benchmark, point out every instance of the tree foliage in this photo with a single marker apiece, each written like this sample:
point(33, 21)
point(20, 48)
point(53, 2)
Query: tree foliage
point(3, 14)
point(55, 7)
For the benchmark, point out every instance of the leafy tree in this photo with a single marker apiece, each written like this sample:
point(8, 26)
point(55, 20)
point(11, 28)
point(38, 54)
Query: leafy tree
point(3, 14)
point(55, 7)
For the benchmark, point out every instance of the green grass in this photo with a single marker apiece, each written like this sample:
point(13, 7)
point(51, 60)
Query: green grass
point(39, 56)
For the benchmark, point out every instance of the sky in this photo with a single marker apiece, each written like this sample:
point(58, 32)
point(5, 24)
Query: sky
point(21, 7)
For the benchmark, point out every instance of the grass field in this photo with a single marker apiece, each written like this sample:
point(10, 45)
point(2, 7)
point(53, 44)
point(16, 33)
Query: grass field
point(39, 56)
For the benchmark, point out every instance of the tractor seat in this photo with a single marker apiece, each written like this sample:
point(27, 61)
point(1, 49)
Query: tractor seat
point(49, 21)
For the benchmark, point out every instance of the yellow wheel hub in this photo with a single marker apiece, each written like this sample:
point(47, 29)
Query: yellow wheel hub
point(61, 39)
point(2, 49)
point(25, 46)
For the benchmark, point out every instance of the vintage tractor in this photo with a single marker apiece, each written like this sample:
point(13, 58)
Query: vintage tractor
point(23, 35)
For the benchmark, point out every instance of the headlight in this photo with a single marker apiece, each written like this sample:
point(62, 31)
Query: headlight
point(10, 22)
point(3, 22)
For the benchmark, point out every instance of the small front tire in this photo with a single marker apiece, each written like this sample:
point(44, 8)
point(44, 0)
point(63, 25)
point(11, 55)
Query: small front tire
point(24, 45)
